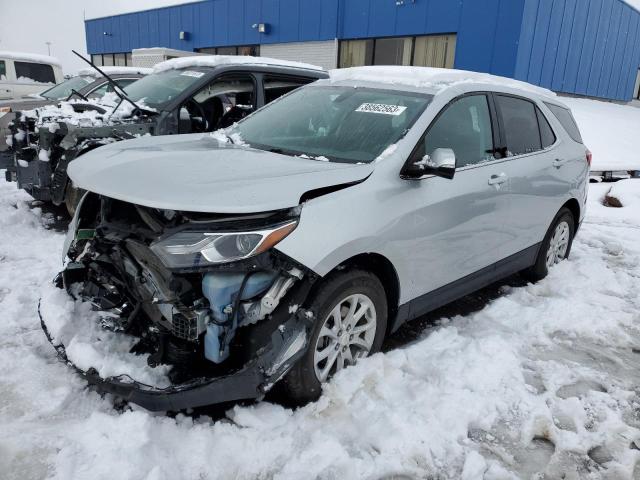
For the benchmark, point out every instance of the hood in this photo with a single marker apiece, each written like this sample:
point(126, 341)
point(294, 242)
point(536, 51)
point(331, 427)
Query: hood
point(196, 173)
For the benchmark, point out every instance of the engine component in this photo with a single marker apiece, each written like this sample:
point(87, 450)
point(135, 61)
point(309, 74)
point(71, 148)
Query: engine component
point(258, 310)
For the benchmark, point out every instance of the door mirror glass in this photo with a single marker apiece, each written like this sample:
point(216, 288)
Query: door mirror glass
point(441, 162)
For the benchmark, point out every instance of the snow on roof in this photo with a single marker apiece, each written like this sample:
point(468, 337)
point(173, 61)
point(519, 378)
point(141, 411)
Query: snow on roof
point(115, 71)
point(435, 79)
point(30, 57)
point(217, 60)
point(634, 3)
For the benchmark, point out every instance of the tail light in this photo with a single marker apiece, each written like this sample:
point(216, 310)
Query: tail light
point(589, 158)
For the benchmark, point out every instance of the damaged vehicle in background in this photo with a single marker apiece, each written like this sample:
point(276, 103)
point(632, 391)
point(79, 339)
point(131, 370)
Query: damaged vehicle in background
point(335, 214)
point(183, 95)
point(87, 84)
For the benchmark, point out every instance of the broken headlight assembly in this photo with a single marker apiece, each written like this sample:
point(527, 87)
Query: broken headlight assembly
point(191, 249)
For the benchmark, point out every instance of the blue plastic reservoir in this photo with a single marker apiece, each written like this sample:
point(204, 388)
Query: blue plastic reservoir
point(220, 288)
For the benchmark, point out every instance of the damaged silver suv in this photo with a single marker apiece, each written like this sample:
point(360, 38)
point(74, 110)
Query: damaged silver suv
point(287, 247)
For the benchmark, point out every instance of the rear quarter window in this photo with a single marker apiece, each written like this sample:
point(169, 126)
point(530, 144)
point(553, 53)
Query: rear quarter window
point(567, 121)
point(3, 70)
point(34, 72)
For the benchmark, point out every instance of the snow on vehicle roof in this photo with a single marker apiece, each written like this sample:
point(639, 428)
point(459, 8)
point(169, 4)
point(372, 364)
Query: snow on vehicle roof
point(218, 60)
point(435, 79)
point(30, 57)
point(90, 72)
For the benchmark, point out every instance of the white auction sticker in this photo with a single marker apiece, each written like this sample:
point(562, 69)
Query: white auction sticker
point(381, 108)
point(191, 73)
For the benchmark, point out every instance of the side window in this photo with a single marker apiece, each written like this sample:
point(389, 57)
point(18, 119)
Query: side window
point(34, 72)
point(520, 123)
point(220, 104)
point(566, 120)
point(105, 88)
point(547, 136)
point(3, 70)
point(275, 87)
point(465, 127)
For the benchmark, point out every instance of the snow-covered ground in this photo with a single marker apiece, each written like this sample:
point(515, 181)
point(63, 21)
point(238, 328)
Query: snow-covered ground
point(543, 379)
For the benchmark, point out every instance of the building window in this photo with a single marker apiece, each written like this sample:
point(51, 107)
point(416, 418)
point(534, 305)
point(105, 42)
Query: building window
point(423, 51)
point(253, 50)
point(356, 53)
point(435, 51)
point(112, 59)
point(393, 51)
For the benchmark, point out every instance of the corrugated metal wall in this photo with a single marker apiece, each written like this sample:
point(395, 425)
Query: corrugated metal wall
point(587, 47)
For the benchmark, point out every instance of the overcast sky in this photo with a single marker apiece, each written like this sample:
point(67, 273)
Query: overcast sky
point(26, 25)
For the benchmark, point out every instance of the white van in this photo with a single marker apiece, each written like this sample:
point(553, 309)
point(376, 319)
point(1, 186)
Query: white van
point(23, 74)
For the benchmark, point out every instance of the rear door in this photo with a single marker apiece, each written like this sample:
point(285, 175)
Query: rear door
point(536, 167)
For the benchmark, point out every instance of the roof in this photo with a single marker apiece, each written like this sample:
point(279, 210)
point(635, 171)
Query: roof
point(218, 60)
point(432, 79)
point(30, 57)
point(115, 71)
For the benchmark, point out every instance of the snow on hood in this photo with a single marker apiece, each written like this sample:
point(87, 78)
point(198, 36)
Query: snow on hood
point(199, 173)
point(429, 78)
point(30, 57)
point(91, 72)
point(217, 60)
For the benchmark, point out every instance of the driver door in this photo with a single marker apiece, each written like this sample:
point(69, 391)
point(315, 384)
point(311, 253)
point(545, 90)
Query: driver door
point(226, 100)
point(457, 225)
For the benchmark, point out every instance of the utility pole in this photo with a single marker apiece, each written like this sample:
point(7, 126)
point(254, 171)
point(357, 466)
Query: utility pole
point(48, 48)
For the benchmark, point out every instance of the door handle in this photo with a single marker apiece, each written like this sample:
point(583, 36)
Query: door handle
point(498, 179)
point(559, 162)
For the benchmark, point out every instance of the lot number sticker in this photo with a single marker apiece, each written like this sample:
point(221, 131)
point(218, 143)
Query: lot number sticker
point(191, 73)
point(381, 108)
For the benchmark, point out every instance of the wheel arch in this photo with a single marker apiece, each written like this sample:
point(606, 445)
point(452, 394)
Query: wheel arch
point(381, 267)
point(574, 207)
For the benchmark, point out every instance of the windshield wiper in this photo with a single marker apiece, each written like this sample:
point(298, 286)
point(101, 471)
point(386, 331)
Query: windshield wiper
point(75, 92)
point(117, 89)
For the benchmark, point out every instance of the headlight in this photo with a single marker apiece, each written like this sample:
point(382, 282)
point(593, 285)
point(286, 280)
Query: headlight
point(196, 249)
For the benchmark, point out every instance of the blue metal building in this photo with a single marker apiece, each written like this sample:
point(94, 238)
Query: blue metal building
point(585, 47)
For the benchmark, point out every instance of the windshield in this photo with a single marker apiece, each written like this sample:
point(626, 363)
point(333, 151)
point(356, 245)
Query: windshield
point(158, 89)
point(342, 124)
point(64, 89)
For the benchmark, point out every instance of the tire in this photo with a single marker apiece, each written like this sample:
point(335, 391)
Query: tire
point(564, 221)
point(72, 197)
point(302, 384)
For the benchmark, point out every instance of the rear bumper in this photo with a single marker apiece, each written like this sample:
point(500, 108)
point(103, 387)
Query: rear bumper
point(287, 344)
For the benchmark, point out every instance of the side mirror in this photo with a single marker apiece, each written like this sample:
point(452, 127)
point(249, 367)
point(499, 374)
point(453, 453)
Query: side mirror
point(441, 163)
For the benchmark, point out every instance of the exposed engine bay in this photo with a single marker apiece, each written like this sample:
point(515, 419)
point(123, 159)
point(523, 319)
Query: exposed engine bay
point(205, 294)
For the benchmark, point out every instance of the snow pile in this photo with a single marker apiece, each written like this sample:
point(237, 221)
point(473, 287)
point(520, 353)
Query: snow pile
point(217, 60)
point(625, 194)
point(77, 327)
point(30, 57)
point(610, 131)
point(434, 79)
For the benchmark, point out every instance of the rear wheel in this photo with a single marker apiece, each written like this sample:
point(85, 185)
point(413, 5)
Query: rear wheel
point(351, 321)
point(556, 246)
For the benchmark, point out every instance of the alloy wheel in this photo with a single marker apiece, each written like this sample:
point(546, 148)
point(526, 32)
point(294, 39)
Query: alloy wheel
point(346, 335)
point(558, 244)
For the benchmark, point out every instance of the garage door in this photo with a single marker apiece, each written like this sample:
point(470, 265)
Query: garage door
point(323, 54)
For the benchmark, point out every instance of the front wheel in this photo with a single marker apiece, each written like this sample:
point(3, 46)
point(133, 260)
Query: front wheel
point(351, 321)
point(556, 246)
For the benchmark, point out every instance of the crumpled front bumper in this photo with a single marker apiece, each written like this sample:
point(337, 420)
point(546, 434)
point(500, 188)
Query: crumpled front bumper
point(288, 343)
